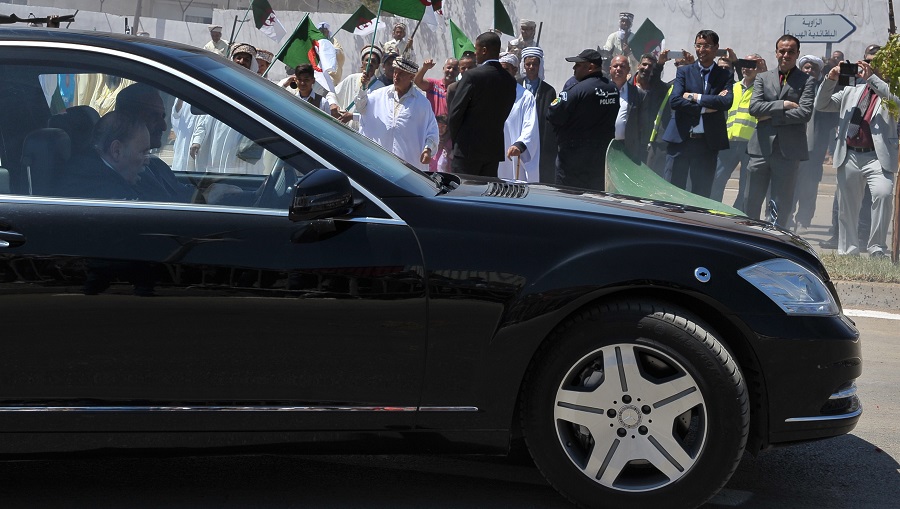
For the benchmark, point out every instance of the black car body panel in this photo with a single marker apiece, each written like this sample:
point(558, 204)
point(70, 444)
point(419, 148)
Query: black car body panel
point(407, 324)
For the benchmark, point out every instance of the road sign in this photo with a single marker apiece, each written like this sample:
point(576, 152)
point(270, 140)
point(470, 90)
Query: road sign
point(823, 28)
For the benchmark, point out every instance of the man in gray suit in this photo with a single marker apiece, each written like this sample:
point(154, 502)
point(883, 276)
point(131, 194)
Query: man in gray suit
point(782, 103)
point(865, 153)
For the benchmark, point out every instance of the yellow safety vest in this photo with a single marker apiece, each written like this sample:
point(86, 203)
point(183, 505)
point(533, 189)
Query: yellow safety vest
point(656, 126)
point(740, 123)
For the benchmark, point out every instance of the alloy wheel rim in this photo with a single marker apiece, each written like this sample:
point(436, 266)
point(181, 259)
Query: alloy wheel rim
point(630, 417)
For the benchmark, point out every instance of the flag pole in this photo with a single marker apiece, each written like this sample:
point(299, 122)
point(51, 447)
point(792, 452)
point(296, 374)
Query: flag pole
point(369, 56)
point(374, 33)
point(243, 19)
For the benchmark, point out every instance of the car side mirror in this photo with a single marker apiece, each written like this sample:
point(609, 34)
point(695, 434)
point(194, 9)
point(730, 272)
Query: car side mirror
point(321, 193)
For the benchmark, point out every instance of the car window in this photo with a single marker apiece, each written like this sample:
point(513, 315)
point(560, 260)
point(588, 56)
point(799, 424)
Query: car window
point(71, 132)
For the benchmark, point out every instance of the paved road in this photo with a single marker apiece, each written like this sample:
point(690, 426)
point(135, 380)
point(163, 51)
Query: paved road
point(855, 471)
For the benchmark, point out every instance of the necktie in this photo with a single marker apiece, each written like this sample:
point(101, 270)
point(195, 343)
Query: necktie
point(703, 74)
point(861, 108)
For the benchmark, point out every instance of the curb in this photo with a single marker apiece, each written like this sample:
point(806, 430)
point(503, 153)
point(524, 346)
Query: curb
point(866, 295)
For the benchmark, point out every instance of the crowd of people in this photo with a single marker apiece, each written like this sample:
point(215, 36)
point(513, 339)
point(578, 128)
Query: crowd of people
point(491, 113)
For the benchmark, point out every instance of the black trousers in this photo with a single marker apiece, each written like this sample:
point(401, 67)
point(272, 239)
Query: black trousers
point(582, 163)
point(693, 158)
point(474, 167)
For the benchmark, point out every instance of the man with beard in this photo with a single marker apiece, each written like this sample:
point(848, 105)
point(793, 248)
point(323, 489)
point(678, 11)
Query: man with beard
point(436, 89)
point(520, 132)
point(544, 95)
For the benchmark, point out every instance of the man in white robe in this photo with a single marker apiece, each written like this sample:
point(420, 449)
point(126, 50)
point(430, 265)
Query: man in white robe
point(183, 123)
point(215, 146)
point(342, 100)
point(399, 118)
point(520, 132)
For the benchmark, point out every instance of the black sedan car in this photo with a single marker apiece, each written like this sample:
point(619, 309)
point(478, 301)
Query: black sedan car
point(299, 289)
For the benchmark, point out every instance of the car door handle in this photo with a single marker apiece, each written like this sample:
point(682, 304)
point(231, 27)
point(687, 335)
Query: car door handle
point(11, 239)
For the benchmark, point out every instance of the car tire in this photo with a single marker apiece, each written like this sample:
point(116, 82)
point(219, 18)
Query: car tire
point(635, 404)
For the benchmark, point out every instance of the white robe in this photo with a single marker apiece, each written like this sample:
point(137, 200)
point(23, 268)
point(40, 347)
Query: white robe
point(183, 123)
point(522, 125)
point(345, 94)
point(218, 149)
point(404, 126)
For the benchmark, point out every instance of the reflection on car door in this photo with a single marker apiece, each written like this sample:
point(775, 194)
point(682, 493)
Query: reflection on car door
point(154, 306)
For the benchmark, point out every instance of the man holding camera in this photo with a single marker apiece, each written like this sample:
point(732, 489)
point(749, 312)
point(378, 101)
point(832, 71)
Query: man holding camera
point(782, 103)
point(865, 154)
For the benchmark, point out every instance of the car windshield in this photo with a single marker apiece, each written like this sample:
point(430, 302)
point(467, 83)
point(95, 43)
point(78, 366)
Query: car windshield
point(327, 130)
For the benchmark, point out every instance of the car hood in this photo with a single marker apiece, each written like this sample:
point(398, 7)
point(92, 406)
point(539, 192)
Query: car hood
point(577, 201)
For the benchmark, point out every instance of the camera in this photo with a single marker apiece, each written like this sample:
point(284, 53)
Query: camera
point(746, 63)
point(848, 69)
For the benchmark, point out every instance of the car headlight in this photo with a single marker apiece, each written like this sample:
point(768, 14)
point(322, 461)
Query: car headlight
point(793, 287)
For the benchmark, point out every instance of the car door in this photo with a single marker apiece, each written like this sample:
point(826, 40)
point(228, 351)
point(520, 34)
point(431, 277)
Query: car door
point(189, 314)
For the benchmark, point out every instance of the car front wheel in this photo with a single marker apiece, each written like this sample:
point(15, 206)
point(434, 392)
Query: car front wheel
point(635, 404)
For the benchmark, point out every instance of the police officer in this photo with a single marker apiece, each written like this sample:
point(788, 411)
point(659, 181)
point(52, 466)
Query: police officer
point(584, 116)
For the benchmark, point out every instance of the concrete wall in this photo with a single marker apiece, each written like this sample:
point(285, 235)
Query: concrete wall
point(568, 25)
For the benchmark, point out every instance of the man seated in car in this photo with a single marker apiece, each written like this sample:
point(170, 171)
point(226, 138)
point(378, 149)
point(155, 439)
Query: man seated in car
point(121, 146)
point(159, 183)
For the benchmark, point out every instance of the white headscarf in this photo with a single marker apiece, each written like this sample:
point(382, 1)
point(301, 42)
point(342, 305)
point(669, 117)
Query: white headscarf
point(509, 58)
point(811, 59)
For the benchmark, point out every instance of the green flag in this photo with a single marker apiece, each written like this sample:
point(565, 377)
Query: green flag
point(501, 19)
point(361, 22)
point(460, 41)
point(647, 39)
point(296, 50)
point(413, 9)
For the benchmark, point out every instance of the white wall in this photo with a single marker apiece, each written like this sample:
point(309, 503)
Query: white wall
point(568, 26)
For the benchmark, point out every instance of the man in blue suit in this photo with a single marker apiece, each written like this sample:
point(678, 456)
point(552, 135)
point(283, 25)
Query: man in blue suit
point(700, 99)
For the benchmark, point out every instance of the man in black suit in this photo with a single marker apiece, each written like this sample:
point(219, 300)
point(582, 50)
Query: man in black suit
point(483, 99)
point(700, 99)
point(112, 169)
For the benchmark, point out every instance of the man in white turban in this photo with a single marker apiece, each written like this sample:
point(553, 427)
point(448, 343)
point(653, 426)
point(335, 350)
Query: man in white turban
point(618, 42)
point(216, 43)
point(532, 69)
point(521, 133)
point(399, 43)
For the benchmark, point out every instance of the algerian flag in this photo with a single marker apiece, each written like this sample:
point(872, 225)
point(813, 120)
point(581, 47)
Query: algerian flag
point(461, 43)
point(307, 45)
point(501, 19)
point(413, 9)
point(647, 39)
point(266, 21)
point(361, 22)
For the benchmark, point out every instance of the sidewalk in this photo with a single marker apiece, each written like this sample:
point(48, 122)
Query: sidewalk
point(853, 294)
